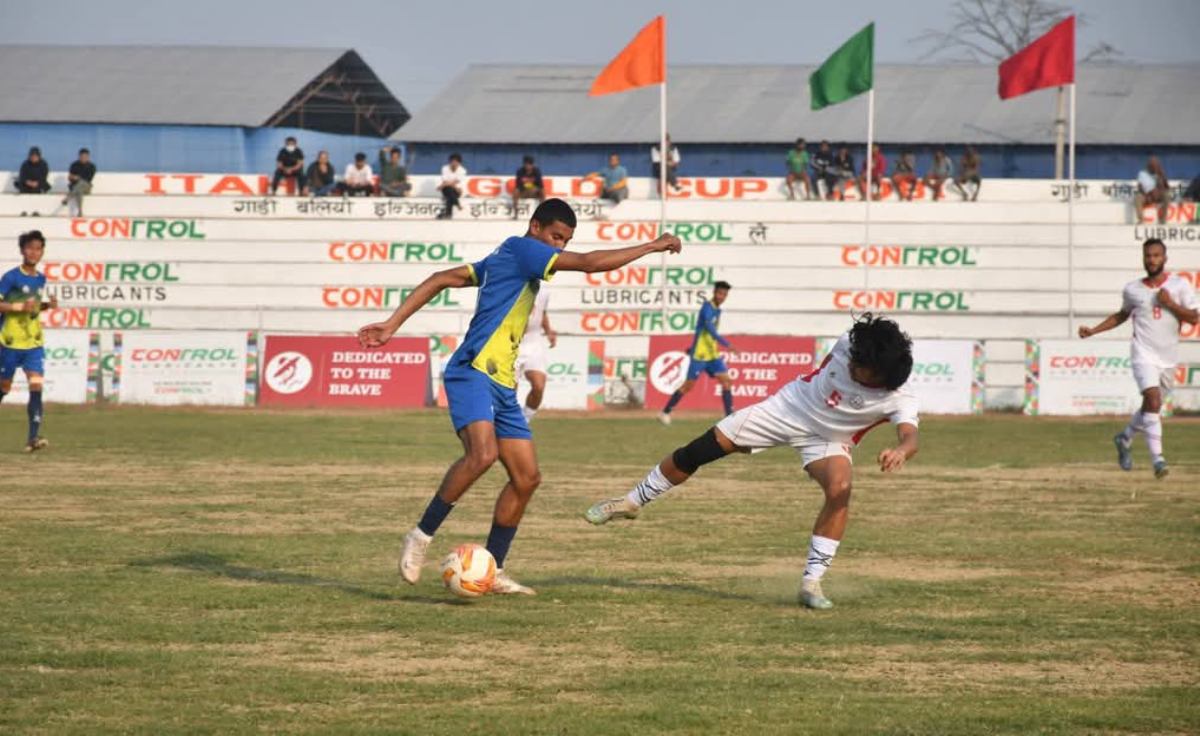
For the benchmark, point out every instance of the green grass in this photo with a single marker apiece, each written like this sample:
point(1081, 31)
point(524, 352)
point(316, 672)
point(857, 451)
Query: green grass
point(228, 572)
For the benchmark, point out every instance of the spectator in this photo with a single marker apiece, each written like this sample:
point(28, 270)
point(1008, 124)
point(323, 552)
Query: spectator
point(878, 173)
point(822, 169)
point(79, 182)
point(614, 183)
point(904, 175)
point(359, 179)
point(527, 183)
point(673, 160)
point(843, 169)
point(393, 176)
point(797, 164)
point(320, 180)
point(454, 179)
point(1153, 188)
point(1192, 193)
point(941, 170)
point(968, 173)
point(34, 177)
point(289, 164)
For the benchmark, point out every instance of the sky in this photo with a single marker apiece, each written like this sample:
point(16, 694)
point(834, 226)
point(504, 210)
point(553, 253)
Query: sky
point(418, 46)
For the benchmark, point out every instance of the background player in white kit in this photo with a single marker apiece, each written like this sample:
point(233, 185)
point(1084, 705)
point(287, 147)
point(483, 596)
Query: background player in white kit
point(532, 358)
point(822, 415)
point(1158, 304)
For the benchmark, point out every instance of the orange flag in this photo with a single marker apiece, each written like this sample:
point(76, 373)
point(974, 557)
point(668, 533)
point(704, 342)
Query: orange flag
point(640, 63)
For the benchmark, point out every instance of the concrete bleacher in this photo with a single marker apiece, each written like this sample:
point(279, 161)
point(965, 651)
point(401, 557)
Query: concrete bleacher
point(997, 270)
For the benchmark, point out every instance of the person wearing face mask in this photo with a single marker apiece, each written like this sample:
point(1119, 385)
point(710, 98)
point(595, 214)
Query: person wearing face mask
point(289, 164)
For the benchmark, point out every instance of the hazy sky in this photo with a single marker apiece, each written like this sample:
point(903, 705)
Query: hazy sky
point(417, 46)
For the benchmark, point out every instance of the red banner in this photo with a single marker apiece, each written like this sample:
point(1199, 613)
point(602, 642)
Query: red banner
point(335, 371)
point(761, 367)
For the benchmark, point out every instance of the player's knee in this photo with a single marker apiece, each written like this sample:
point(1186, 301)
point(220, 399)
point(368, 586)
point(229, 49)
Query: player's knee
point(526, 483)
point(479, 459)
point(700, 451)
point(837, 492)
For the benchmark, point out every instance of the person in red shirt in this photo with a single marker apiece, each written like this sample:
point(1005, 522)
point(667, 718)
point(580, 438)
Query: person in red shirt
point(878, 172)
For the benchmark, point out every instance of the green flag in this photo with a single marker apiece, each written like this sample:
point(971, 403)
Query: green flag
point(849, 72)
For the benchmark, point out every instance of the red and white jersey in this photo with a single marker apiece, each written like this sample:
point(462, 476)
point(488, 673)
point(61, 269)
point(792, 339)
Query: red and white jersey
point(533, 328)
point(835, 406)
point(1155, 328)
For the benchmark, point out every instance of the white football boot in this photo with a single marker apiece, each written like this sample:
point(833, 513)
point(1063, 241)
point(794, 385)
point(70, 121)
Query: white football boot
point(504, 585)
point(412, 555)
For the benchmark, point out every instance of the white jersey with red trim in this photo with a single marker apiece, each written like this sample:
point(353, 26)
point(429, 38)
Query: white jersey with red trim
point(835, 406)
point(1156, 328)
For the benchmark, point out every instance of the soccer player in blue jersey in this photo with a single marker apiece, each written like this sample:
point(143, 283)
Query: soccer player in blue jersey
point(480, 377)
point(21, 336)
point(704, 356)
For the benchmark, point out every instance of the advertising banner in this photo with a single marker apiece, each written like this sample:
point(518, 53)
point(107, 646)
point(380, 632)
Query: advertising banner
point(947, 376)
point(171, 368)
point(570, 383)
point(71, 367)
point(762, 365)
point(336, 371)
point(1079, 377)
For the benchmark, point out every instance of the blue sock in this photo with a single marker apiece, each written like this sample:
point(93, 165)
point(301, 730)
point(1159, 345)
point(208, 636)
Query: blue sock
point(35, 414)
point(435, 513)
point(727, 398)
point(675, 397)
point(499, 540)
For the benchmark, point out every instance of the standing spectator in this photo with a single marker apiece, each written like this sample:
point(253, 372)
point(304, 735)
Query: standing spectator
point(941, 170)
point(878, 173)
point(797, 164)
point(1153, 188)
point(673, 160)
point(452, 185)
point(968, 173)
point(289, 164)
point(904, 175)
point(79, 182)
point(527, 183)
point(359, 179)
point(393, 176)
point(34, 177)
point(320, 181)
point(843, 169)
point(614, 184)
point(822, 169)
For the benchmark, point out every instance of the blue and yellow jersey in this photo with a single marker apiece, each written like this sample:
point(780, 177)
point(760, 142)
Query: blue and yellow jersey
point(21, 330)
point(704, 345)
point(508, 280)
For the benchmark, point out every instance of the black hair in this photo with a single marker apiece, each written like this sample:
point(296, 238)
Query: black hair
point(722, 285)
point(360, 157)
point(27, 238)
point(35, 149)
point(456, 157)
point(800, 141)
point(554, 210)
point(290, 139)
point(527, 160)
point(83, 151)
point(877, 343)
point(1154, 241)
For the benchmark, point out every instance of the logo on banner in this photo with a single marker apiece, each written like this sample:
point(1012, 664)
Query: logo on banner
point(289, 372)
point(669, 370)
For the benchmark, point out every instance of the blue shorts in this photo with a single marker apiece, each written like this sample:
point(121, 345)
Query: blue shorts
point(474, 397)
point(32, 360)
point(711, 367)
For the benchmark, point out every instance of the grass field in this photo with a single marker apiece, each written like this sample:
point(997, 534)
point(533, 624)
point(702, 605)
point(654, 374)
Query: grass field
point(229, 572)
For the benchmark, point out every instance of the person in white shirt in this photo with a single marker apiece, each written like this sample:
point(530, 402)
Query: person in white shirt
point(822, 415)
point(359, 179)
point(1158, 304)
point(673, 160)
point(531, 355)
point(452, 186)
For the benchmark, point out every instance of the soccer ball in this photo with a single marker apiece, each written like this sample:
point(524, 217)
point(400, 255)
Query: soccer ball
point(469, 570)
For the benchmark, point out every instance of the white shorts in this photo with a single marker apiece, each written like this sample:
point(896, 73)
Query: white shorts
point(532, 356)
point(1149, 375)
point(770, 424)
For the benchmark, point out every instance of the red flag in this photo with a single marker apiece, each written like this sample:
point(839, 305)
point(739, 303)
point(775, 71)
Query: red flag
point(640, 63)
point(1047, 62)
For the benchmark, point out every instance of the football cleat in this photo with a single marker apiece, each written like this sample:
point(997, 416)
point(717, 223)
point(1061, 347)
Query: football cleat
point(412, 556)
point(40, 443)
point(664, 419)
point(811, 595)
point(1124, 453)
point(1161, 470)
point(504, 585)
point(614, 508)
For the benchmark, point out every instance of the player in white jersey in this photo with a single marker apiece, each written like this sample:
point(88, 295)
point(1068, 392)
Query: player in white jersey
point(1158, 305)
point(823, 415)
point(531, 356)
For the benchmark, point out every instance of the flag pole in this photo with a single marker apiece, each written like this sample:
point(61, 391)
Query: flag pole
point(1071, 220)
point(870, 178)
point(664, 156)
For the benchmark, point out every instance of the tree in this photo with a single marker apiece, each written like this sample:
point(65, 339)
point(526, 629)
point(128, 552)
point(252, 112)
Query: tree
point(994, 30)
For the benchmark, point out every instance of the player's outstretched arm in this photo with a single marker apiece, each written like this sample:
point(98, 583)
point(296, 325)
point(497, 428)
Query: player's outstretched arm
point(607, 260)
point(1113, 320)
point(378, 333)
point(893, 458)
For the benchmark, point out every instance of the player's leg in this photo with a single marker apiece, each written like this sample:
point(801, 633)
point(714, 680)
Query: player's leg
point(8, 369)
point(718, 371)
point(695, 368)
point(35, 441)
point(1152, 400)
point(537, 391)
point(834, 473)
point(517, 453)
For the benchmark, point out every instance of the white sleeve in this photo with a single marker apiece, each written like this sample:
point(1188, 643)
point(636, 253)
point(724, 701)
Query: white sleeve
point(1128, 304)
point(348, 174)
point(1187, 295)
point(675, 157)
point(655, 157)
point(906, 409)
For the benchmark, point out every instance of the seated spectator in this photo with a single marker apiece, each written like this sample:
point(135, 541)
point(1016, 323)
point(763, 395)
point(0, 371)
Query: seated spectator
point(797, 170)
point(941, 171)
point(968, 173)
point(822, 169)
point(359, 179)
point(452, 186)
point(878, 172)
point(79, 182)
point(1153, 187)
point(320, 180)
point(904, 175)
point(1192, 193)
point(34, 177)
point(393, 176)
point(289, 164)
point(843, 169)
point(614, 184)
point(673, 160)
point(527, 183)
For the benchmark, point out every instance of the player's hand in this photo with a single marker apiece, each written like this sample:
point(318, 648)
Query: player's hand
point(1085, 332)
point(552, 337)
point(891, 460)
point(667, 242)
point(31, 305)
point(375, 335)
point(52, 303)
point(1164, 298)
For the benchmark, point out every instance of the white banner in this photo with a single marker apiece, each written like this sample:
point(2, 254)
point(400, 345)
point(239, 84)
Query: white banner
point(1079, 377)
point(947, 376)
point(66, 370)
point(183, 368)
point(566, 376)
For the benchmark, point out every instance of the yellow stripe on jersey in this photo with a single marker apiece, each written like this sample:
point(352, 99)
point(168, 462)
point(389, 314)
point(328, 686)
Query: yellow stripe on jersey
point(550, 267)
point(706, 347)
point(498, 357)
point(471, 275)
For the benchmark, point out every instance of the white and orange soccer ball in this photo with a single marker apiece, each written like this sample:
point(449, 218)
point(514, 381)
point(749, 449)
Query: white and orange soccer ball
point(469, 570)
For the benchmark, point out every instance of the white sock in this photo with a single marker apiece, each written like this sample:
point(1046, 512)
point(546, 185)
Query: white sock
point(652, 486)
point(1152, 426)
point(1136, 424)
point(528, 413)
point(820, 554)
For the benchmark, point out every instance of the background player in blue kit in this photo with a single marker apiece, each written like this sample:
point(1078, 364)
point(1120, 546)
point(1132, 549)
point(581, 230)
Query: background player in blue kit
point(21, 337)
point(480, 378)
point(704, 355)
